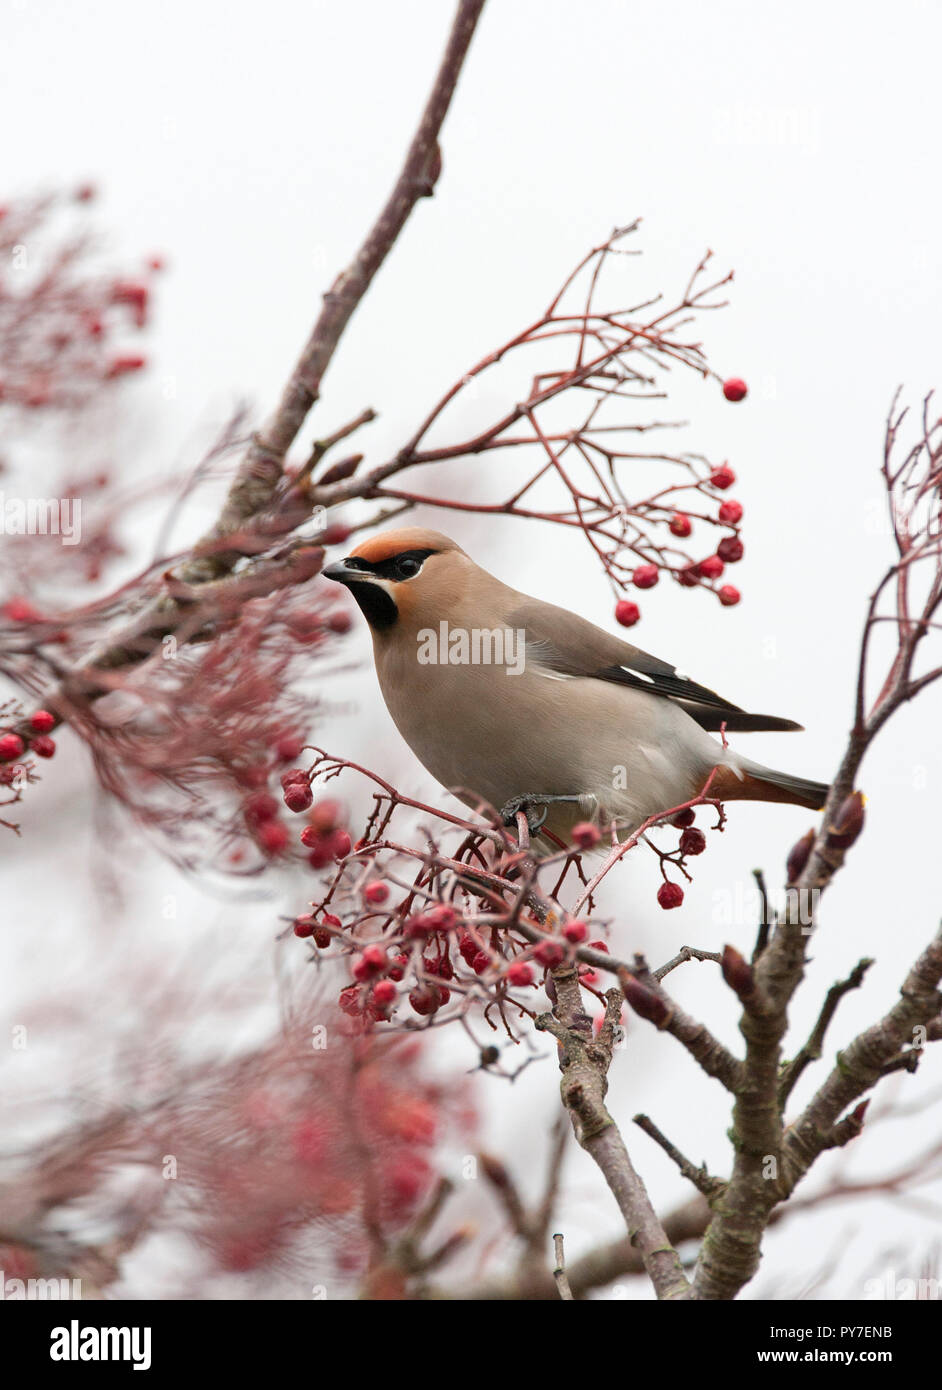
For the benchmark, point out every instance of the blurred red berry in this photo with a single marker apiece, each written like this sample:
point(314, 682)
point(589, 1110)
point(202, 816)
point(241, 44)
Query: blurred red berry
point(729, 595)
point(681, 525)
point(731, 512)
point(288, 747)
point(259, 807)
point(273, 836)
point(735, 388)
point(645, 577)
point(336, 534)
point(304, 926)
point(575, 932)
point(384, 993)
point(480, 963)
point(372, 962)
point(42, 722)
point(11, 746)
point(549, 953)
point(425, 999)
point(723, 477)
point(684, 818)
point(520, 974)
point(340, 622)
point(120, 366)
point(626, 612)
point(376, 893)
point(43, 746)
point(326, 815)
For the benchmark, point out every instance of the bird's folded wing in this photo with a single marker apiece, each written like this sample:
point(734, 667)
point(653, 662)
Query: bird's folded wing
point(565, 645)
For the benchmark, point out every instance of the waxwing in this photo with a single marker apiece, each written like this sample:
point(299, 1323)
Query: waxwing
point(520, 704)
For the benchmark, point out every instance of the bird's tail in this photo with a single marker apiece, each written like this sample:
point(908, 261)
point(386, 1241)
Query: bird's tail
point(758, 783)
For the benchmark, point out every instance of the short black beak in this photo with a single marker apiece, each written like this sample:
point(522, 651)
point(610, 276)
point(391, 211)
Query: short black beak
point(341, 573)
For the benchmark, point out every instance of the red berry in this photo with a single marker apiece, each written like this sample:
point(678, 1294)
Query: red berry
point(626, 612)
point(681, 525)
point(330, 920)
point(731, 512)
point(340, 622)
point(20, 610)
point(294, 774)
point(520, 974)
point(692, 841)
point(711, 568)
point(600, 946)
point(442, 917)
point(723, 477)
point(729, 595)
point(304, 926)
point(468, 948)
point(425, 999)
point(384, 993)
point(730, 549)
point(273, 836)
point(376, 893)
point(735, 388)
point(372, 962)
point(480, 963)
point(349, 1000)
point(549, 953)
point(42, 722)
point(336, 534)
point(684, 818)
point(670, 895)
point(687, 577)
point(326, 815)
point(575, 932)
point(645, 577)
point(586, 835)
point(339, 844)
point(12, 746)
point(298, 796)
point(322, 937)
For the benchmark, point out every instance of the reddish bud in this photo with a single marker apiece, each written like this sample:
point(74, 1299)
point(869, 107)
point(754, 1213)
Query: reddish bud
point(711, 568)
point(575, 932)
point(692, 841)
point(735, 389)
point(550, 954)
point(11, 746)
point(731, 512)
point(586, 835)
point(670, 895)
point(737, 972)
point(42, 722)
point(644, 1001)
point(798, 856)
point(729, 595)
point(376, 893)
point(730, 549)
point(681, 526)
point(626, 612)
point(645, 577)
point(723, 477)
point(343, 468)
point(848, 822)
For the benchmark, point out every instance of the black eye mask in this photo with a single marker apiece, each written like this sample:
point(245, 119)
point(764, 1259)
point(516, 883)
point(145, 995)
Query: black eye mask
point(405, 565)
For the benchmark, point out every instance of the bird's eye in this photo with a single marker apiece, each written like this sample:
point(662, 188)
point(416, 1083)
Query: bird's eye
point(407, 567)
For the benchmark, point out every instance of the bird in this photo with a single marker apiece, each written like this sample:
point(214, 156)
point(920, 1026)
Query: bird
point(516, 704)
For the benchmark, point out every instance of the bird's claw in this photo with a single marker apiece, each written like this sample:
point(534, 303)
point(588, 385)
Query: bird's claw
point(535, 805)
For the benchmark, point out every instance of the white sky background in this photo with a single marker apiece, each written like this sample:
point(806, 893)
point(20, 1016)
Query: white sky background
point(252, 145)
